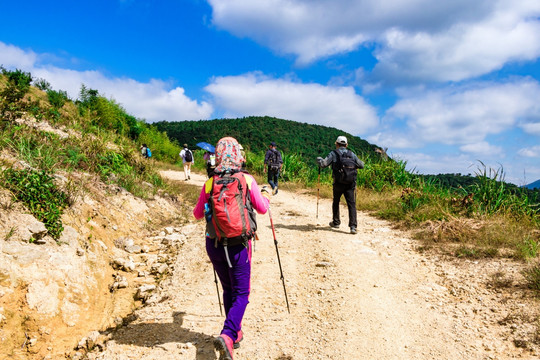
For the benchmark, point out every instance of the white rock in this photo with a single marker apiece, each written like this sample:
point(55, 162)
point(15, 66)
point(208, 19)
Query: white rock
point(160, 268)
point(133, 249)
point(129, 266)
point(102, 244)
point(169, 230)
point(69, 236)
point(91, 339)
point(43, 297)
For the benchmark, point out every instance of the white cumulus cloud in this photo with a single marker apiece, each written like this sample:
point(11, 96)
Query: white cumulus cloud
point(531, 152)
point(510, 32)
point(154, 100)
point(15, 57)
point(482, 148)
point(256, 94)
point(425, 163)
point(414, 39)
point(466, 115)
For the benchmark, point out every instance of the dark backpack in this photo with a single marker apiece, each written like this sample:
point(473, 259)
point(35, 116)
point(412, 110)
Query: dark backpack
point(230, 205)
point(344, 169)
point(188, 156)
point(273, 160)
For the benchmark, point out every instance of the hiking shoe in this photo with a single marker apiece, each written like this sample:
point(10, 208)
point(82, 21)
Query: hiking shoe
point(332, 225)
point(353, 230)
point(274, 192)
point(224, 345)
point(238, 339)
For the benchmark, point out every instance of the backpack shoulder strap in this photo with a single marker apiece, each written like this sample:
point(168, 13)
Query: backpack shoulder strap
point(249, 179)
point(338, 155)
point(208, 185)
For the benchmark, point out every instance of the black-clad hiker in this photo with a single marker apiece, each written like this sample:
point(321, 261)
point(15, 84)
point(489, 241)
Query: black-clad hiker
point(210, 158)
point(344, 166)
point(230, 228)
point(273, 165)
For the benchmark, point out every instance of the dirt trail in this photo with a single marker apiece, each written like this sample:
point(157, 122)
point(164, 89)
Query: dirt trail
point(363, 296)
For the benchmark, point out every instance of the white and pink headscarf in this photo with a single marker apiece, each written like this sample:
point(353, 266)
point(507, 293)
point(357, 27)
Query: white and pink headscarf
point(228, 155)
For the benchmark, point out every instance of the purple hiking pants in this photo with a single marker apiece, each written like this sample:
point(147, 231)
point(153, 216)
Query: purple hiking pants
point(235, 280)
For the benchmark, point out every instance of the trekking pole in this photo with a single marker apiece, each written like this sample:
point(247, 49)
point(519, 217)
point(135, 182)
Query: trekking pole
point(318, 188)
point(279, 261)
point(217, 289)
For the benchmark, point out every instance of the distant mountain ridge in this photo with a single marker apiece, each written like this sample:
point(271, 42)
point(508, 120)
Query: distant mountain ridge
point(533, 185)
point(256, 132)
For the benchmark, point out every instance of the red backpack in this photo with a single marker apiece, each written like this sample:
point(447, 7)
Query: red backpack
point(232, 213)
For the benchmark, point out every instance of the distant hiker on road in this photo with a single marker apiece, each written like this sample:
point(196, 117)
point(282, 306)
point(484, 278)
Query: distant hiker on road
point(344, 171)
point(210, 158)
point(228, 200)
point(145, 151)
point(187, 160)
point(273, 165)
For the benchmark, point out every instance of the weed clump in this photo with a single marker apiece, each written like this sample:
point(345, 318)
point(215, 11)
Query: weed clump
point(532, 277)
point(38, 192)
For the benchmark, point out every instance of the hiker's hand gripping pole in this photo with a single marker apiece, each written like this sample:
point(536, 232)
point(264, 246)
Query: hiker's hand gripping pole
point(279, 261)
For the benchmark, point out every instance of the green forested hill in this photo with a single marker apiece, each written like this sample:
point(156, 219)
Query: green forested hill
point(256, 133)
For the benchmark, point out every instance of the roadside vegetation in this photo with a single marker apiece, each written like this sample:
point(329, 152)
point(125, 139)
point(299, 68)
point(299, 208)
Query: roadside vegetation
point(92, 135)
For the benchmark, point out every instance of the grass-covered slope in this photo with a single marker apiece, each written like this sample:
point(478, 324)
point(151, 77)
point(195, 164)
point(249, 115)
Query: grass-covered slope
point(44, 132)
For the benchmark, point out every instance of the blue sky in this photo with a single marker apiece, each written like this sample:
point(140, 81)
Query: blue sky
point(443, 84)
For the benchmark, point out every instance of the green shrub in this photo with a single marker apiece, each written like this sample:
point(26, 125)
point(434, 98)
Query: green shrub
point(57, 98)
point(76, 158)
point(11, 96)
point(113, 163)
point(37, 191)
point(42, 84)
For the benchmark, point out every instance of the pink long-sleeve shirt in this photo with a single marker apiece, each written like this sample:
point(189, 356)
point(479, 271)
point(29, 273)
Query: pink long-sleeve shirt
point(259, 202)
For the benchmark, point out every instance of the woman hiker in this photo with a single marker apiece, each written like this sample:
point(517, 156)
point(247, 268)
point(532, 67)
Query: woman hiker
point(230, 257)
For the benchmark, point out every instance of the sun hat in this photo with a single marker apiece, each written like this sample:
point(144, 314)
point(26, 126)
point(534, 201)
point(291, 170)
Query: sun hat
point(341, 140)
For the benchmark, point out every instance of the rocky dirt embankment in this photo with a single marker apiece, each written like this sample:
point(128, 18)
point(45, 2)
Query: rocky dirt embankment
point(55, 296)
